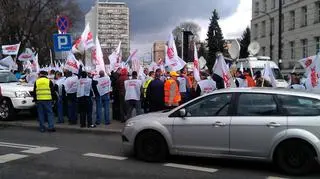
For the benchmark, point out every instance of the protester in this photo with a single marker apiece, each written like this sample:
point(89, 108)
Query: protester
point(59, 80)
point(172, 96)
point(115, 94)
point(249, 79)
point(295, 82)
point(145, 87)
point(84, 86)
point(133, 89)
point(184, 85)
point(241, 80)
point(70, 88)
point(121, 95)
point(101, 87)
point(44, 95)
point(206, 85)
point(260, 81)
point(155, 93)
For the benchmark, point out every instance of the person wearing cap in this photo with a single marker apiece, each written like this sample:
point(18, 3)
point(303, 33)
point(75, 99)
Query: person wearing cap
point(121, 94)
point(172, 95)
point(44, 96)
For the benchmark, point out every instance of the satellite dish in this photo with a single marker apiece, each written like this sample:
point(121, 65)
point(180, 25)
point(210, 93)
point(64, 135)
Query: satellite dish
point(234, 50)
point(254, 48)
point(202, 63)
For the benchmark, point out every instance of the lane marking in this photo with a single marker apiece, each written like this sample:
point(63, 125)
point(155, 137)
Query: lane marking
point(272, 177)
point(190, 167)
point(112, 157)
point(12, 146)
point(21, 145)
point(39, 150)
point(10, 157)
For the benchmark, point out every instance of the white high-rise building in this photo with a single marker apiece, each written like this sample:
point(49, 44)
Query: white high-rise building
point(110, 22)
point(300, 29)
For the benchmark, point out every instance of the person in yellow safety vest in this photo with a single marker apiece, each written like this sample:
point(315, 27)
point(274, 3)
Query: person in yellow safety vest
point(43, 96)
point(145, 87)
point(172, 95)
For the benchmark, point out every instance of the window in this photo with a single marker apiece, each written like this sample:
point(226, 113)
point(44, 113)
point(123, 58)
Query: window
point(263, 50)
point(272, 25)
point(251, 104)
point(304, 44)
point(263, 29)
point(264, 5)
point(292, 20)
point(304, 16)
point(292, 50)
point(273, 4)
point(256, 11)
point(256, 29)
point(317, 44)
point(299, 106)
point(317, 12)
point(214, 105)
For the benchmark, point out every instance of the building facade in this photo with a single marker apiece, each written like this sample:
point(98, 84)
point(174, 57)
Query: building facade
point(300, 29)
point(159, 48)
point(110, 21)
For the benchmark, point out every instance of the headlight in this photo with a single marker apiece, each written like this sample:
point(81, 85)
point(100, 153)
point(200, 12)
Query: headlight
point(129, 124)
point(22, 94)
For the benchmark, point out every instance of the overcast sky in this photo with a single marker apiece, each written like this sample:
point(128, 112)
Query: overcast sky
point(153, 20)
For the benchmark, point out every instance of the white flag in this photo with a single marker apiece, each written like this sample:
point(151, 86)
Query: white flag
point(97, 57)
point(174, 62)
point(87, 38)
point(196, 66)
point(9, 63)
point(221, 68)
point(268, 75)
point(313, 71)
point(72, 64)
point(132, 55)
point(115, 58)
point(35, 64)
point(10, 49)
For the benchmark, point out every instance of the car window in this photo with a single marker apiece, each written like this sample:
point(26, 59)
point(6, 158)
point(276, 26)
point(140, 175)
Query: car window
point(299, 106)
point(213, 105)
point(251, 104)
point(7, 77)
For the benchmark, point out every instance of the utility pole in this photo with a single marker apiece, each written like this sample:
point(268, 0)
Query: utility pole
point(280, 35)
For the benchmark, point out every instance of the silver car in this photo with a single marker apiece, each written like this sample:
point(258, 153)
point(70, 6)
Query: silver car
point(278, 125)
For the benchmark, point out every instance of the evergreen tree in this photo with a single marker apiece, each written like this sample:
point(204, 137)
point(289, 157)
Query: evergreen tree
point(244, 43)
point(214, 39)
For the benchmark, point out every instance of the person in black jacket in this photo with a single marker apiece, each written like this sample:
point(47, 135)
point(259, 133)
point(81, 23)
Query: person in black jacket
point(155, 93)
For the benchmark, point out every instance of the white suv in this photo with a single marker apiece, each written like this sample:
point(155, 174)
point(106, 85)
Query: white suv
point(15, 95)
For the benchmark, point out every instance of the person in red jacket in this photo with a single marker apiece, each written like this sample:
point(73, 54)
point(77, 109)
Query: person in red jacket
point(249, 79)
point(121, 93)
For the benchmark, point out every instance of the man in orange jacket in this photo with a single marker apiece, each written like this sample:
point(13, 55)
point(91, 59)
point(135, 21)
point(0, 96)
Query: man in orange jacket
point(172, 96)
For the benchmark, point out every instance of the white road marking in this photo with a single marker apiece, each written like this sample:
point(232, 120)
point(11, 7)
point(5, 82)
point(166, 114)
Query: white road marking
point(9, 157)
point(13, 146)
point(271, 177)
point(112, 157)
point(21, 145)
point(39, 150)
point(190, 167)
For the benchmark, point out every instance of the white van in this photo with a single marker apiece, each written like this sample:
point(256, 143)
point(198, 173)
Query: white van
point(255, 64)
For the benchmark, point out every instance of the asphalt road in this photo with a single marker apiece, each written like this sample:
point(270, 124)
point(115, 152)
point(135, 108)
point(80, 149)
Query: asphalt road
point(30, 154)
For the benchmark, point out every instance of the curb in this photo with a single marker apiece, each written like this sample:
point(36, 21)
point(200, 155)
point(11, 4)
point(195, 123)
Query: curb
point(63, 128)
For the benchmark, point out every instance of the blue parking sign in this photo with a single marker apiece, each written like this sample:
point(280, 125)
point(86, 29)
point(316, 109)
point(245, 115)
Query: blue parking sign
point(62, 42)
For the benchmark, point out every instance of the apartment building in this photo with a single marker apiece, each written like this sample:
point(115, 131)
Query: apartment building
point(110, 22)
point(300, 29)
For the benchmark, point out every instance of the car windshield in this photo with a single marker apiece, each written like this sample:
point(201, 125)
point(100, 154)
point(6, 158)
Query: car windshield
point(276, 72)
point(7, 77)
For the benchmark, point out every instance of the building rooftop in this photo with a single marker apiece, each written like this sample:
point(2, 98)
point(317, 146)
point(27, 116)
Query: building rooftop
point(108, 2)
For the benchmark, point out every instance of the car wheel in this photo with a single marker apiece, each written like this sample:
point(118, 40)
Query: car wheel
point(295, 158)
point(150, 146)
point(6, 109)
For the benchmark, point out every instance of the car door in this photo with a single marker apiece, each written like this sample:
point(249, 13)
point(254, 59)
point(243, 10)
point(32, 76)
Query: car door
point(257, 122)
point(205, 128)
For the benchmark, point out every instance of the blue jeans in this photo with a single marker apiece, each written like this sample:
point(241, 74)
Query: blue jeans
point(60, 109)
point(102, 102)
point(44, 109)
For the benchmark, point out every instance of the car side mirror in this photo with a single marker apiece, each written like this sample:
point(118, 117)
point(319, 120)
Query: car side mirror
point(183, 112)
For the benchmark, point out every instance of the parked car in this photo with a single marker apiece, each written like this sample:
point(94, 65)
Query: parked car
point(15, 95)
point(278, 125)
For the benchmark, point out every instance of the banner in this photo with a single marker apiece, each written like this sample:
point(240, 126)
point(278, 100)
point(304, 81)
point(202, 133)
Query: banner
point(222, 69)
point(97, 57)
point(196, 64)
point(24, 57)
point(9, 63)
point(10, 49)
point(115, 58)
point(173, 61)
point(72, 64)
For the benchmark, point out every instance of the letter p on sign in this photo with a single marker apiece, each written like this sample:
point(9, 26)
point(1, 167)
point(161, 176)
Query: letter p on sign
point(62, 42)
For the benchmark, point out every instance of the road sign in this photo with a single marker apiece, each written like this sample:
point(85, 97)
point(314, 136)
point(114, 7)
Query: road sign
point(62, 42)
point(63, 23)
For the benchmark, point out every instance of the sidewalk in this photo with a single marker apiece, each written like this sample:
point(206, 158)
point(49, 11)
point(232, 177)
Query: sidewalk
point(114, 127)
